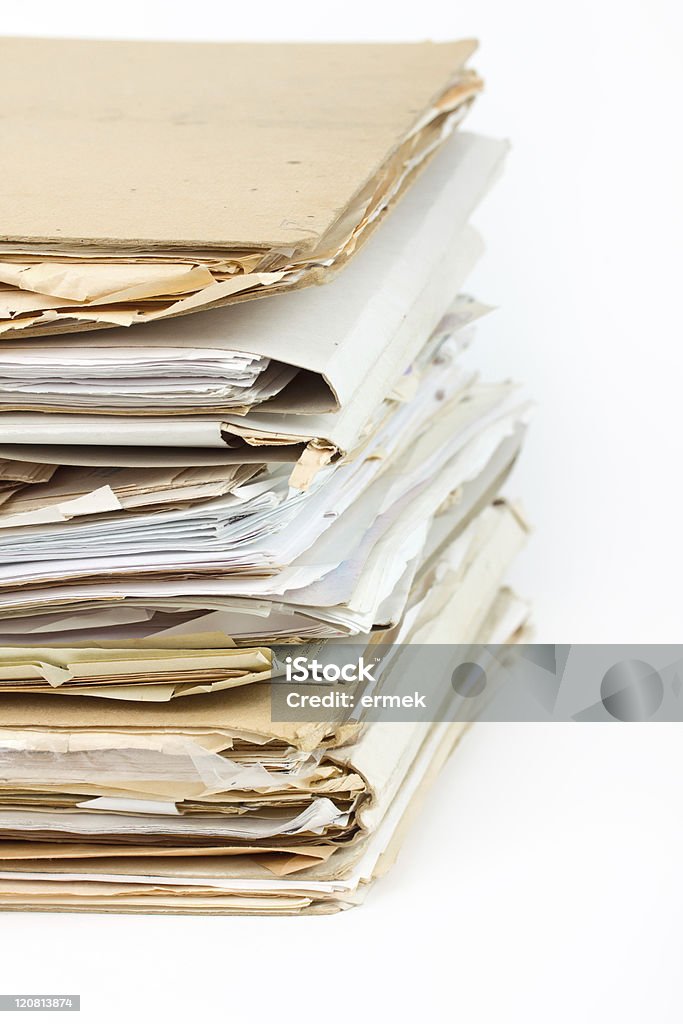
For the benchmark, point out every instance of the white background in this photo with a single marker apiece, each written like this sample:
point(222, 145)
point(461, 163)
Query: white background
point(541, 882)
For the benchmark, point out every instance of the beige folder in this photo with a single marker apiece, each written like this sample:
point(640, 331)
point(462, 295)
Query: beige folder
point(147, 180)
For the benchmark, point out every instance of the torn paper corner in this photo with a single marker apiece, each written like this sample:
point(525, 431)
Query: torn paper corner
point(315, 455)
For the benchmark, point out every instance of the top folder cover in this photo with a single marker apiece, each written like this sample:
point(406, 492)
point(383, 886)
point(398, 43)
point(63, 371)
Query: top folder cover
point(145, 180)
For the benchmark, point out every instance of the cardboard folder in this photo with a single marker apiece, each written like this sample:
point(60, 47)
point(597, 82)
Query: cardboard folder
point(146, 180)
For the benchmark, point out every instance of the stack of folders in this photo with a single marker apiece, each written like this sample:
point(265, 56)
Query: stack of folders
point(180, 493)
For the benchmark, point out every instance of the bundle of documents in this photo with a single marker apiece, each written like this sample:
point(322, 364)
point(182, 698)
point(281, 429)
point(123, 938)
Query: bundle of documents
point(180, 498)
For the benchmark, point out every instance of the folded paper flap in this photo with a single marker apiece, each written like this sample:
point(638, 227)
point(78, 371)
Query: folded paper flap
point(376, 316)
point(116, 282)
point(246, 145)
point(271, 435)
